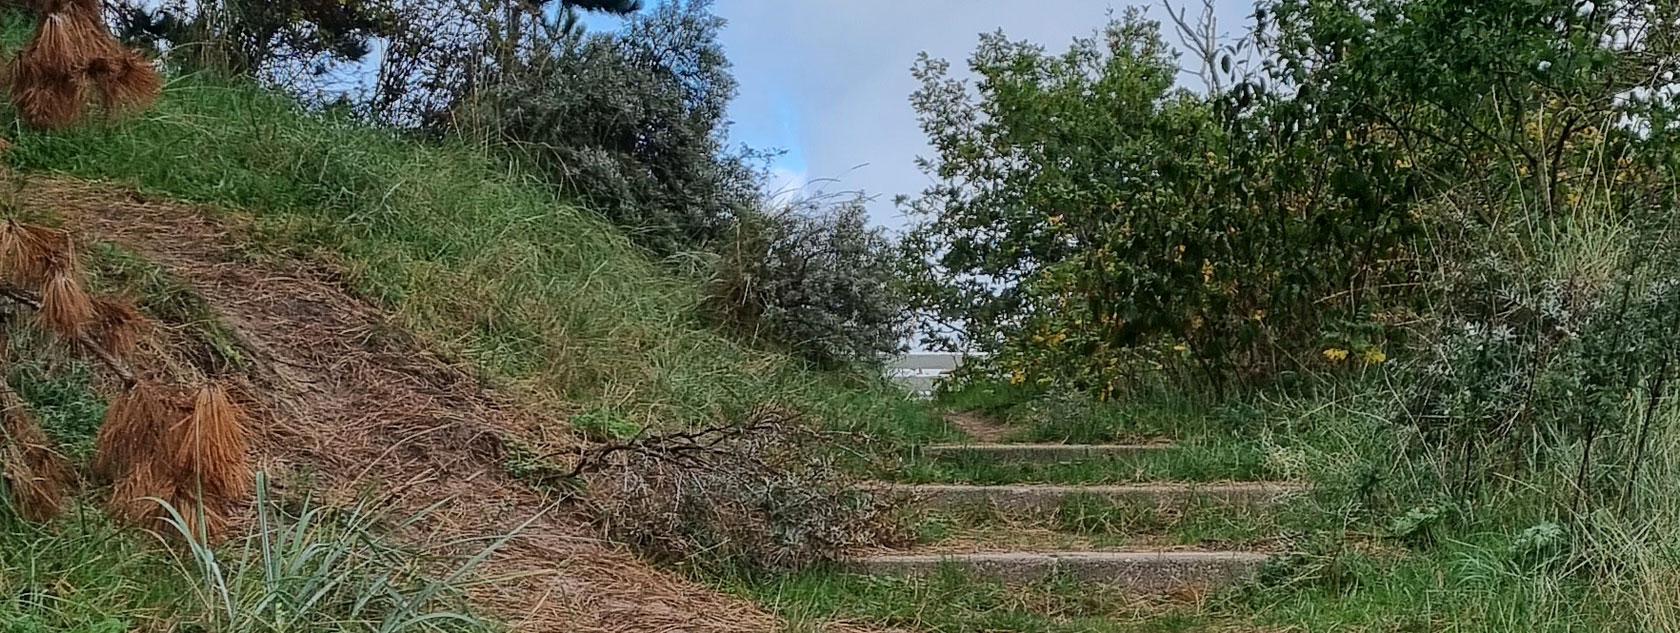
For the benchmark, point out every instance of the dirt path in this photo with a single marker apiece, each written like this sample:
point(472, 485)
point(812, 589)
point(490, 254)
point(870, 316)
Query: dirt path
point(357, 410)
point(982, 429)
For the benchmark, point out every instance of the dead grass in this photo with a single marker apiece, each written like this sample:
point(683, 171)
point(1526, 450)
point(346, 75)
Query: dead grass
point(73, 52)
point(37, 476)
point(335, 397)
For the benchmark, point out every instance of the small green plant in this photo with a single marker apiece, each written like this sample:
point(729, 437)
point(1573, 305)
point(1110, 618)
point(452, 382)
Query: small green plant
point(319, 567)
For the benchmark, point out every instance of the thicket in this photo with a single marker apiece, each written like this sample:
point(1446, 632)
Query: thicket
point(1092, 223)
point(631, 124)
point(1448, 227)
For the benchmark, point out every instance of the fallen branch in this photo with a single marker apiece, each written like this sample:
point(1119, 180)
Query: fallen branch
point(116, 365)
point(685, 448)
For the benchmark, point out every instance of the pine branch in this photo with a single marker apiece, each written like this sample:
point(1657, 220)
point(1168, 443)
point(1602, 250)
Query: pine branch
point(116, 365)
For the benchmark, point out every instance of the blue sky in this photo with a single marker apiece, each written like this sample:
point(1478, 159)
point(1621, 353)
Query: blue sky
point(828, 81)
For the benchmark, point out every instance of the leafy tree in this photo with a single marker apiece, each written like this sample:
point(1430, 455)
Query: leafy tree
point(252, 37)
point(1091, 220)
point(815, 277)
point(635, 125)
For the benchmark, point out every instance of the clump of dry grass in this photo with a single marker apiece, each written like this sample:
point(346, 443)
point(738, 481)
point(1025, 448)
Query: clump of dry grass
point(127, 82)
point(211, 447)
point(133, 428)
point(155, 448)
point(36, 475)
point(116, 325)
point(66, 308)
point(30, 253)
point(73, 52)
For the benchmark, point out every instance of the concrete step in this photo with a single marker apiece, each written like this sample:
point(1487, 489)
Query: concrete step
point(1042, 453)
point(1146, 571)
point(1045, 498)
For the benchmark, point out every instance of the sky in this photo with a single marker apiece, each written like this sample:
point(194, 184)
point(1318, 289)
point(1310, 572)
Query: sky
point(828, 81)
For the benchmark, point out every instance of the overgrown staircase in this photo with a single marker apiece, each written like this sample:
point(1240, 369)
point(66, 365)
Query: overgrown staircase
point(1153, 566)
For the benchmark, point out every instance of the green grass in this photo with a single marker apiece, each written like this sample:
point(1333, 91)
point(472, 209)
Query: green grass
point(1470, 587)
point(1233, 460)
point(1088, 522)
point(478, 260)
point(951, 602)
point(1146, 414)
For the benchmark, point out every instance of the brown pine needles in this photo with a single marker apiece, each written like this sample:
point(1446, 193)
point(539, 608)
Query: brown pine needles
point(30, 253)
point(116, 325)
point(127, 82)
point(66, 308)
point(197, 464)
point(36, 475)
point(133, 430)
point(73, 50)
point(212, 447)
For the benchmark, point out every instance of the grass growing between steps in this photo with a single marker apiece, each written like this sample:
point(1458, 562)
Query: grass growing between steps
point(483, 263)
point(1235, 460)
point(1082, 523)
point(1463, 588)
point(1382, 543)
point(951, 602)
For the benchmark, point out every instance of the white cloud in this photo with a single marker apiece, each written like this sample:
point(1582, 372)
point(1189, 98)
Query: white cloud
point(830, 79)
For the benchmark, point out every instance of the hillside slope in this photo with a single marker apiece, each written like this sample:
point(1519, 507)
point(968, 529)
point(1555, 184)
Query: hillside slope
point(357, 407)
point(484, 264)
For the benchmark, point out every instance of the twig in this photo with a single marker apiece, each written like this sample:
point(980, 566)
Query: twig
point(116, 365)
point(685, 448)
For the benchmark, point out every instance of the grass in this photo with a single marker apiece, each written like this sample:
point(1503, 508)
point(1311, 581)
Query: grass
point(1147, 414)
point(1379, 544)
point(1222, 461)
point(304, 569)
point(1083, 523)
point(952, 602)
point(477, 259)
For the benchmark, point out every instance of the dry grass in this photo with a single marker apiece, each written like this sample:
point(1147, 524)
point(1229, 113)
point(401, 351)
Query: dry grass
point(31, 253)
point(72, 52)
point(211, 450)
point(36, 475)
point(117, 325)
point(66, 308)
point(127, 83)
point(133, 428)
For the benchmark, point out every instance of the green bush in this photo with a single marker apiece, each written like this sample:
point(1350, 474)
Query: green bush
point(634, 124)
point(815, 278)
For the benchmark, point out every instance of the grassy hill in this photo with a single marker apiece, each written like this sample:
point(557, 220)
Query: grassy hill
point(482, 262)
point(544, 300)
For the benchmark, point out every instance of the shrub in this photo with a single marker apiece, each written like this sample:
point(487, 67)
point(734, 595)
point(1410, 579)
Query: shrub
point(634, 124)
point(760, 494)
point(816, 279)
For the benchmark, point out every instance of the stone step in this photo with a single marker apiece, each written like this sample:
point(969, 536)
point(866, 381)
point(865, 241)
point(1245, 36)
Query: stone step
point(1047, 498)
point(1148, 571)
point(1042, 453)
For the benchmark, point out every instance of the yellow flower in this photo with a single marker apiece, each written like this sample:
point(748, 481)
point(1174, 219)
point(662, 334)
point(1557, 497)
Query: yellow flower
point(1374, 356)
point(1181, 348)
point(1207, 271)
point(1018, 377)
point(1056, 220)
point(1259, 315)
point(1335, 354)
